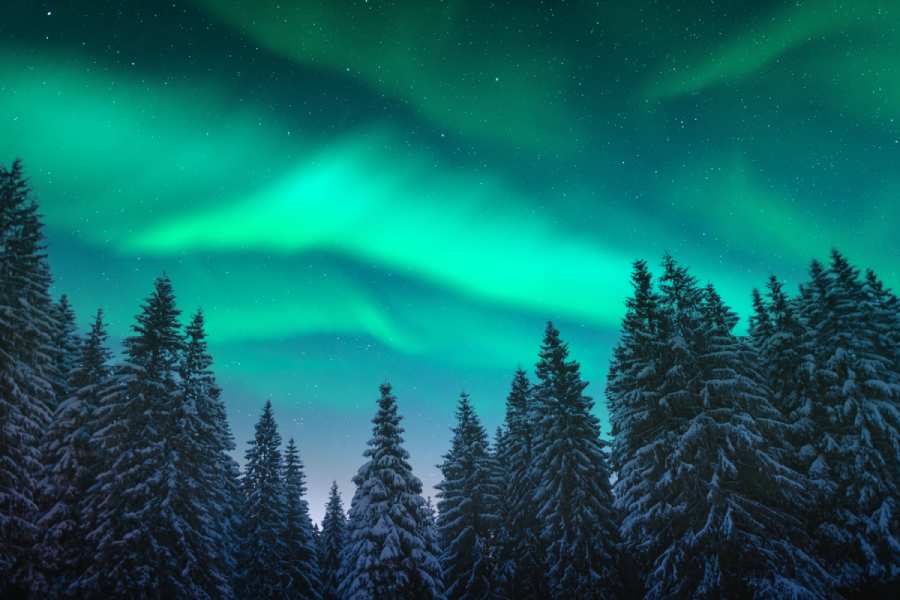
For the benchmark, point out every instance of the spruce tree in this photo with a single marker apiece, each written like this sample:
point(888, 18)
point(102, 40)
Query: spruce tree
point(70, 468)
point(388, 553)
point(573, 494)
point(205, 442)
point(301, 568)
point(857, 427)
point(519, 550)
point(263, 550)
point(883, 310)
point(467, 509)
point(150, 525)
point(331, 544)
point(708, 506)
point(65, 346)
point(639, 440)
point(26, 374)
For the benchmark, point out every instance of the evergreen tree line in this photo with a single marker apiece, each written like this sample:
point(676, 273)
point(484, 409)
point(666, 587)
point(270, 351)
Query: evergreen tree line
point(764, 465)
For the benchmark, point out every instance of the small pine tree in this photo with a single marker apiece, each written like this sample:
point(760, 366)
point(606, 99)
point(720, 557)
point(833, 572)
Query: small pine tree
point(580, 528)
point(263, 551)
point(467, 509)
point(301, 568)
point(66, 346)
point(388, 554)
point(70, 468)
point(331, 544)
point(519, 552)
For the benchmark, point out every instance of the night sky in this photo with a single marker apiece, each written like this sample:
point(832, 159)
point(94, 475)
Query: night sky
point(360, 191)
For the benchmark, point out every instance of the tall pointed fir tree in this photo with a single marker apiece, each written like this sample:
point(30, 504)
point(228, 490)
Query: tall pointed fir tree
point(301, 567)
point(150, 527)
point(70, 467)
point(573, 494)
point(640, 442)
point(519, 551)
point(781, 347)
point(857, 421)
point(430, 536)
point(331, 544)
point(883, 310)
point(467, 509)
point(263, 549)
point(26, 374)
point(388, 555)
point(707, 504)
point(209, 470)
point(65, 347)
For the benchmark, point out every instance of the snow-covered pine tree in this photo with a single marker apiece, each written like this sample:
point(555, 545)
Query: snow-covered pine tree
point(761, 327)
point(300, 566)
point(331, 543)
point(387, 554)
point(263, 549)
point(26, 374)
point(780, 346)
point(467, 509)
point(70, 468)
point(580, 528)
point(66, 349)
point(149, 525)
point(884, 317)
point(428, 530)
point(707, 505)
point(857, 431)
point(520, 572)
point(640, 441)
point(744, 535)
point(204, 444)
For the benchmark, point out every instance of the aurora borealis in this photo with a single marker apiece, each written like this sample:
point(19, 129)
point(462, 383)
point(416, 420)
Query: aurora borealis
point(356, 191)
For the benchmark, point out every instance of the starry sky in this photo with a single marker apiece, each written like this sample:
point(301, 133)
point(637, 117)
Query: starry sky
point(359, 190)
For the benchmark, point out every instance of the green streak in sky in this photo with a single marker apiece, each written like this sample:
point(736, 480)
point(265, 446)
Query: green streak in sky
point(769, 41)
point(369, 199)
point(123, 150)
point(451, 60)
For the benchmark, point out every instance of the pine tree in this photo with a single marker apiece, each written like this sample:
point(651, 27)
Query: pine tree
point(205, 443)
point(574, 496)
point(331, 545)
point(301, 568)
point(857, 425)
point(761, 328)
point(707, 505)
point(263, 551)
point(786, 368)
point(467, 507)
point(65, 344)
point(519, 551)
point(428, 531)
point(388, 555)
point(26, 374)
point(149, 533)
point(883, 310)
point(639, 446)
point(752, 540)
point(70, 467)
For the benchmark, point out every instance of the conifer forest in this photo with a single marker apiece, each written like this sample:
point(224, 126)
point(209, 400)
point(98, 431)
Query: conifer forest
point(449, 300)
